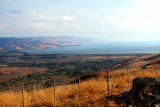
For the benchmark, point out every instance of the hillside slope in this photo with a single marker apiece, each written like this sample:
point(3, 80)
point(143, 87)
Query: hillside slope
point(92, 92)
point(138, 62)
point(43, 42)
point(17, 43)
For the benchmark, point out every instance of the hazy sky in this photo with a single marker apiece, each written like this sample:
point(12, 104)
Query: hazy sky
point(118, 20)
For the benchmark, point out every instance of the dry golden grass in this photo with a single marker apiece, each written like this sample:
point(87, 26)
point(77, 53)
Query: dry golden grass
point(93, 93)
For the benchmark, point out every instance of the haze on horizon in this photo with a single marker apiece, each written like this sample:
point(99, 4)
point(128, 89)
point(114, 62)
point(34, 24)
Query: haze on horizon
point(114, 20)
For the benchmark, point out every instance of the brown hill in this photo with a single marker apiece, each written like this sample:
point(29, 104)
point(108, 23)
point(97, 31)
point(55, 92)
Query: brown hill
point(43, 42)
point(138, 62)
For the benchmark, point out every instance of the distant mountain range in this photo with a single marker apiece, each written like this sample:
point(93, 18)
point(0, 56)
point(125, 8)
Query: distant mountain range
point(43, 42)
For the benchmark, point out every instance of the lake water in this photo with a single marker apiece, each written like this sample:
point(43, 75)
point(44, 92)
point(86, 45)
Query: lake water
point(108, 48)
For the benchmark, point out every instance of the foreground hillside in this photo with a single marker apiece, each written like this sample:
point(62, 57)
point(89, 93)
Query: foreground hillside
point(93, 92)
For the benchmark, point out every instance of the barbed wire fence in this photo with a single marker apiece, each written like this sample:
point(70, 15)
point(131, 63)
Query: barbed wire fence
point(129, 71)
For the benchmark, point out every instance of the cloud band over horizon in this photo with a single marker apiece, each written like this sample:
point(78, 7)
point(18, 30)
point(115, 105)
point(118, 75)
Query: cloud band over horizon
point(122, 20)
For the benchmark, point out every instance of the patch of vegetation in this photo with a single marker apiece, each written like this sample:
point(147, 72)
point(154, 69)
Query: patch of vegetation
point(65, 68)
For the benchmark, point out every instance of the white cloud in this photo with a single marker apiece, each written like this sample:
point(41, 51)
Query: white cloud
point(42, 26)
point(3, 28)
point(39, 16)
point(49, 18)
point(150, 8)
point(131, 22)
point(140, 17)
point(10, 15)
point(112, 18)
point(66, 18)
point(134, 23)
point(34, 13)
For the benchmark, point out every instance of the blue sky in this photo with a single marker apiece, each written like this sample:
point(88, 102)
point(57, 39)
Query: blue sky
point(114, 20)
